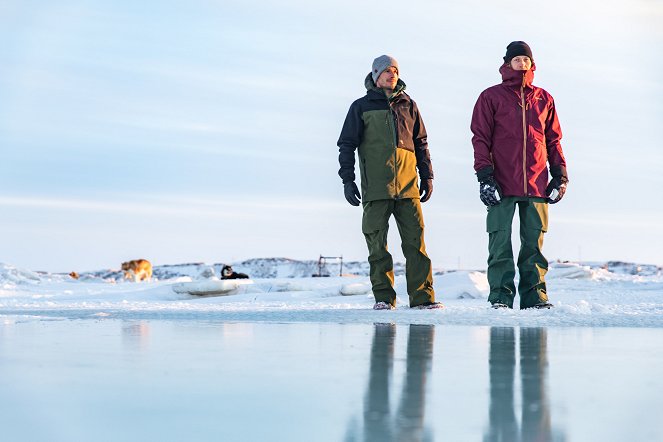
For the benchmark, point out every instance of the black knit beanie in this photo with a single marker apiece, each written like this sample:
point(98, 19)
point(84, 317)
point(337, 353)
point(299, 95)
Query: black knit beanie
point(517, 48)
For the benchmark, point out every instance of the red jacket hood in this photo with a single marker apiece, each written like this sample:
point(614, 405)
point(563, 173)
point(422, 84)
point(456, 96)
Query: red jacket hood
point(514, 79)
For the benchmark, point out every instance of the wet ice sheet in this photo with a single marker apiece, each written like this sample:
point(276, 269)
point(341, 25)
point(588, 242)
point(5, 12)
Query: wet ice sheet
point(205, 380)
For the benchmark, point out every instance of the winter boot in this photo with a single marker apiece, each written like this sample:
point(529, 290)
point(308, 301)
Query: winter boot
point(541, 305)
point(499, 305)
point(428, 306)
point(383, 306)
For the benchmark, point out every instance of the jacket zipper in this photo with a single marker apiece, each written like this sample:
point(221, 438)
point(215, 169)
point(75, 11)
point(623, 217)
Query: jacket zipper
point(522, 104)
point(392, 129)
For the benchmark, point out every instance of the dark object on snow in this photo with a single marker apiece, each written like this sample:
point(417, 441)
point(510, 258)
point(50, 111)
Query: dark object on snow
point(227, 272)
point(322, 264)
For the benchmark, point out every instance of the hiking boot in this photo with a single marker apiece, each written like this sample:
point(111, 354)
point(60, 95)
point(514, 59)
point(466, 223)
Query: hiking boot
point(383, 306)
point(428, 306)
point(541, 305)
point(499, 305)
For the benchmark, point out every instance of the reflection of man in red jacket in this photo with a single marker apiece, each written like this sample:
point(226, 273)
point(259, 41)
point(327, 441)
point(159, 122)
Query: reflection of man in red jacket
point(516, 135)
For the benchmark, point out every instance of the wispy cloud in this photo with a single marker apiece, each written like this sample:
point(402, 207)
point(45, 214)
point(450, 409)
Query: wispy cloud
point(168, 205)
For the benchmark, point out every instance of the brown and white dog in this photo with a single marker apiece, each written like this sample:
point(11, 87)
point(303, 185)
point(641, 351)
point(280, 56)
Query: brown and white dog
point(137, 269)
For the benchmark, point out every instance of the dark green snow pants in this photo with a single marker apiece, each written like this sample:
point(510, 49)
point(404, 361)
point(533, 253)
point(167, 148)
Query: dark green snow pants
point(532, 265)
point(418, 268)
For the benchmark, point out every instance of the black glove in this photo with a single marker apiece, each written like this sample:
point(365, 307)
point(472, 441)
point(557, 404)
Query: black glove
point(557, 186)
point(351, 193)
point(489, 190)
point(425, 190)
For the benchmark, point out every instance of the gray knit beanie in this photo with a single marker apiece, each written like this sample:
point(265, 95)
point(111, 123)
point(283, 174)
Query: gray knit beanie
point(380, 64)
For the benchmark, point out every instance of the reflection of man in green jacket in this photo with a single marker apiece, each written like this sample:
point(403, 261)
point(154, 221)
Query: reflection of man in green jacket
point(386, 129)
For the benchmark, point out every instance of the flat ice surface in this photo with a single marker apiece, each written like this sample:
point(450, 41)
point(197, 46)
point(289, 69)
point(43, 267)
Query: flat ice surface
point(172, 380)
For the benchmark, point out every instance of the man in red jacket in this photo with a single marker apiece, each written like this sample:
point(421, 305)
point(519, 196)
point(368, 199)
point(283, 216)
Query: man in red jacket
point(516, 136)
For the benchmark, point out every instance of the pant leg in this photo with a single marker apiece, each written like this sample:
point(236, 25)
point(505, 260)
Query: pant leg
point(375, 225)
point(418, 267)
point(501, 269)
point(532, 265)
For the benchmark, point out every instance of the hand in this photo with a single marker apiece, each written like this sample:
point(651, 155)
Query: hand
point(557, 186)
point(489, 191)
point(351, 193)
point(556, 190)
point(425, 190)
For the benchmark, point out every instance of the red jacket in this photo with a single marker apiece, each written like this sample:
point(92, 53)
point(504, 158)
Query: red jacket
point(516, 132)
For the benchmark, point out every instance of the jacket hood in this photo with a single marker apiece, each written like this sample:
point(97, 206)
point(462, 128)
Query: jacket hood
point(514, 79)
point(370, 86)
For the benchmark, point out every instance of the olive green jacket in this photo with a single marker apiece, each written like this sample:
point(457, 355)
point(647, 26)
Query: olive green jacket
point(391, 141)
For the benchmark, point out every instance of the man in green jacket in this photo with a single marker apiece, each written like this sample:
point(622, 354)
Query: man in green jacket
point(386, 129)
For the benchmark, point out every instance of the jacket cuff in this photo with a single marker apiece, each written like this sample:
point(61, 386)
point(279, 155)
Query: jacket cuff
point(348, 176)
point(559, 172)
point(484, 173)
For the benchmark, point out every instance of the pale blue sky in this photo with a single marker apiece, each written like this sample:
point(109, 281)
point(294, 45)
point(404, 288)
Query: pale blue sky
point(206, 130)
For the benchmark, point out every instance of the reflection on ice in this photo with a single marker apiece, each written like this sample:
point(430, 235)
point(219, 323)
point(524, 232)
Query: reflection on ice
point(136, 334)
point(235, 381)
point(407, 423)
point(535, 424)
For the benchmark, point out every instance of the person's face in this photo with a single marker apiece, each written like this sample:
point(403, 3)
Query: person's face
point(521, 63)
point(388, 78)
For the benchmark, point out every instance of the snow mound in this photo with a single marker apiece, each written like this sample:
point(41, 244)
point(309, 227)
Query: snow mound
point(463, 285)
point(569, 270)
point(207, 272)
point(13, 275)
point(355, 289)
point(209, 286)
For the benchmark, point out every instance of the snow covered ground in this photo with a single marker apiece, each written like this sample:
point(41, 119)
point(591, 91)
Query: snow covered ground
point(595, 295)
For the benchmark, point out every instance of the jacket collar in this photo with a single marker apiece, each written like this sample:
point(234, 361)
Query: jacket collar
point(376, 93)
point(514, 79)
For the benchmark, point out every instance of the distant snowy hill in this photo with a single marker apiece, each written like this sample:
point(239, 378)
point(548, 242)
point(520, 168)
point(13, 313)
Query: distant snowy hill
point(279, 268)
point(256, 268)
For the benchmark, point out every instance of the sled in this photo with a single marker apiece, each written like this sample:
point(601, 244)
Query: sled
point(210, 287)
